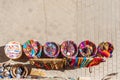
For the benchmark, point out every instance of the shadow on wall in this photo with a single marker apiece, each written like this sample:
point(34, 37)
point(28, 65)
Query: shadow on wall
point(109, 76)
point(4, 58)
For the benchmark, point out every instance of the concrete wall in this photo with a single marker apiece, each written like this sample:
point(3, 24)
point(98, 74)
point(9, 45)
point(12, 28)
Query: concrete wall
point(59, 20)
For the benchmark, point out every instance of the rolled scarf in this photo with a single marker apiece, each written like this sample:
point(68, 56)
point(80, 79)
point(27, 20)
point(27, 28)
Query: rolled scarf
point(13, 50)
point(105, 49)
point(81, 62)
point(32, 49)
point(96, 61)
point(87, 49)
point(69, 49)
point(19, 71)
point(51, 49)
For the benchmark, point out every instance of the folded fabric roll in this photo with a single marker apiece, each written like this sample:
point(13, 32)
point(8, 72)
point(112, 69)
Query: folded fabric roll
point(13, 50)
point(19, 71)
point(105, 49)
point(95, 61)
point(51, 49)
point(87, 49)
point(69, 49)
point(32, 49)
